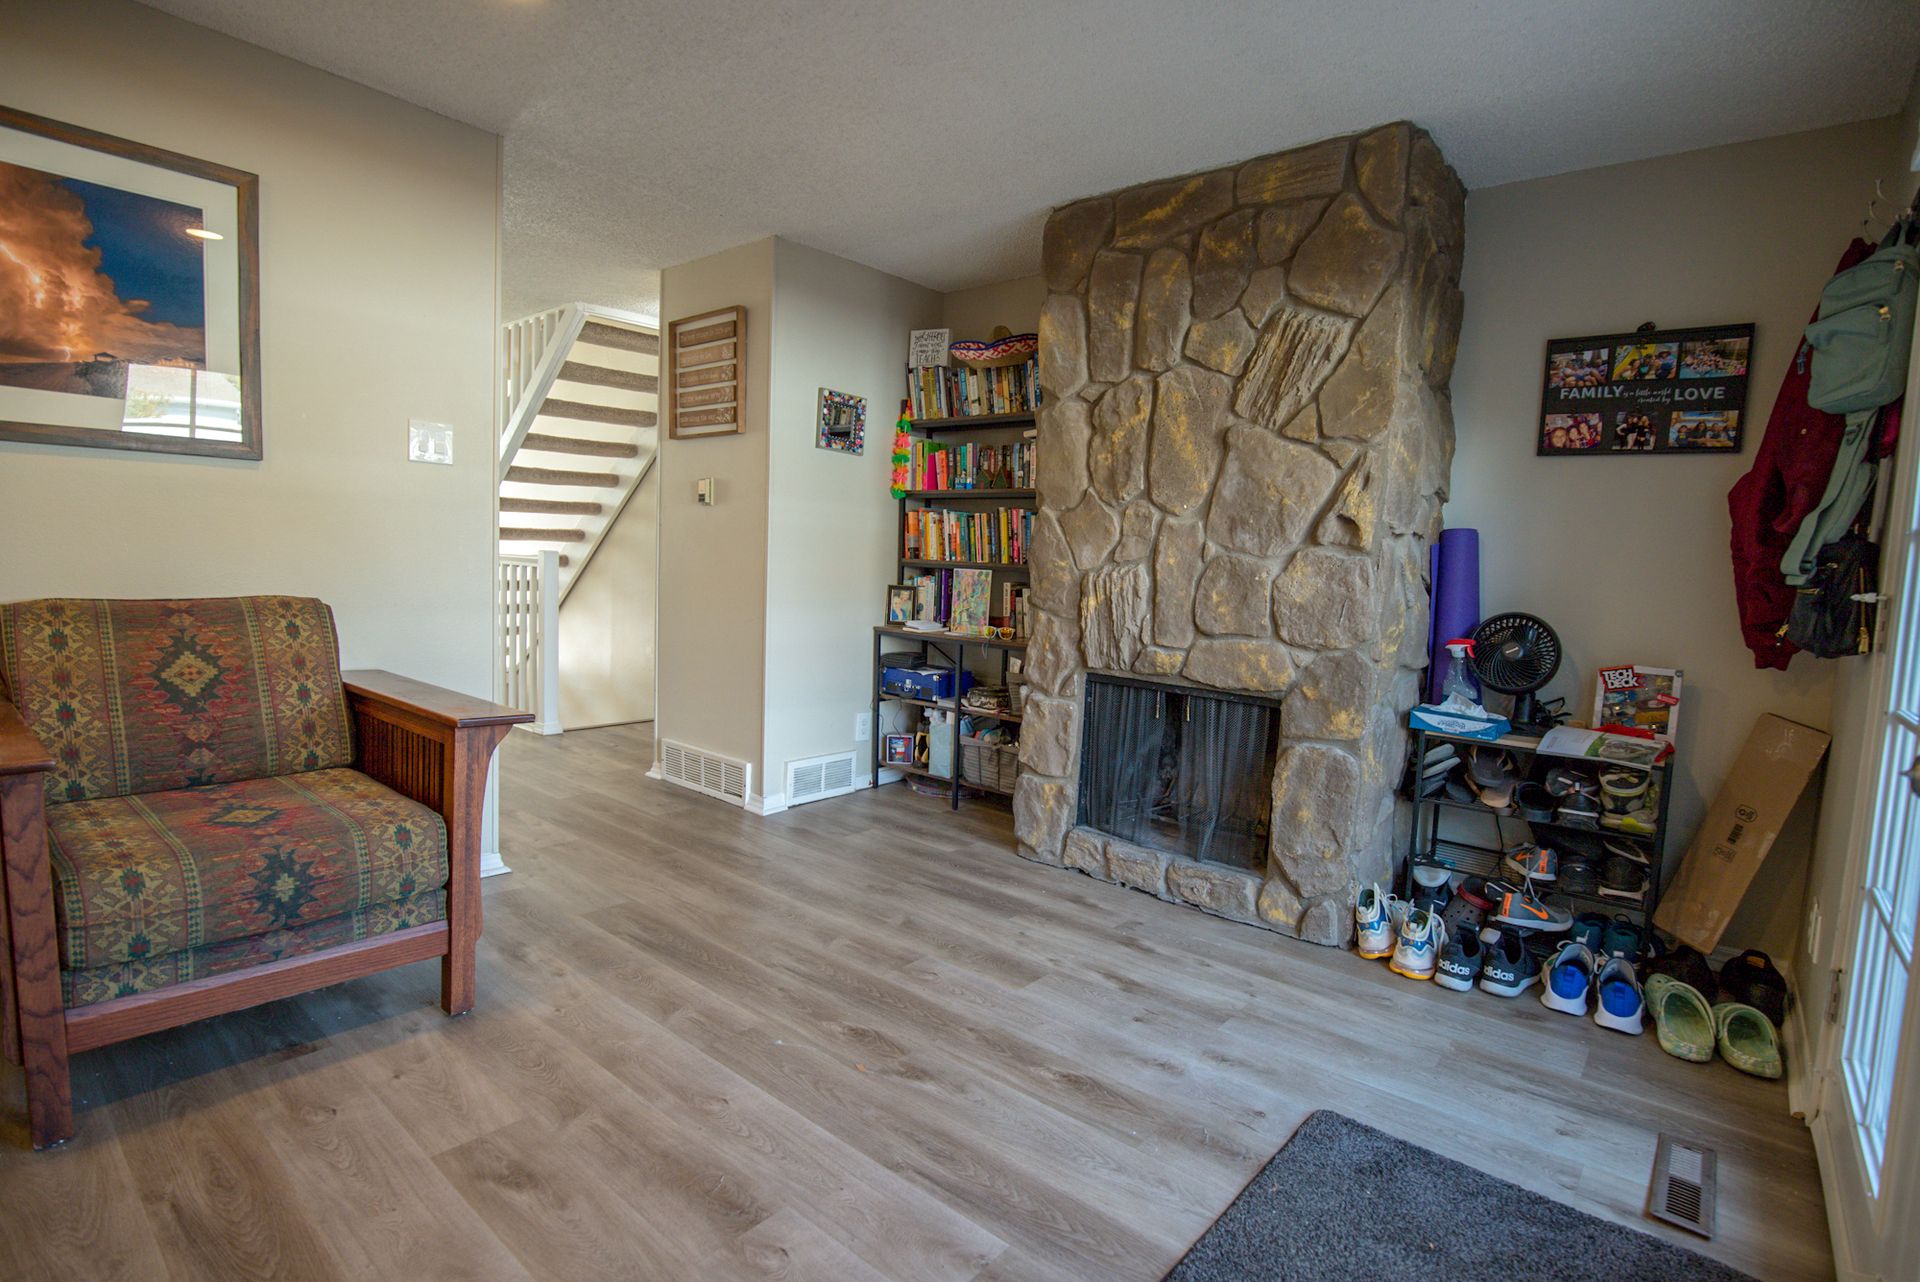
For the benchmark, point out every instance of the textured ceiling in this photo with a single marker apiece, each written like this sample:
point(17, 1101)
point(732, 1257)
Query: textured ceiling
point(929, 139)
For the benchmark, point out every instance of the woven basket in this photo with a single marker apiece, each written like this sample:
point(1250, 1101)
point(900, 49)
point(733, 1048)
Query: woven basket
point(991, 765)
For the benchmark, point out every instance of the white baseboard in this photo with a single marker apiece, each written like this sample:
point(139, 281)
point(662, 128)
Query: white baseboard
point(653, 771)
point(889, 776)
point(1803, 1084)
point(768, 805)
point(491, 864)
point(540, 727)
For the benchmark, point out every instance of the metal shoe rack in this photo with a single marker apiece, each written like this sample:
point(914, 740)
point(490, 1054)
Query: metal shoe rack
point(1426, 846)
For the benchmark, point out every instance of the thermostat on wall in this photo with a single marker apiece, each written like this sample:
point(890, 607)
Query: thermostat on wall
point(429, 442)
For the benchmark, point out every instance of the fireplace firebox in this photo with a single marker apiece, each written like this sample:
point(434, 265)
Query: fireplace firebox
point(1186, 771)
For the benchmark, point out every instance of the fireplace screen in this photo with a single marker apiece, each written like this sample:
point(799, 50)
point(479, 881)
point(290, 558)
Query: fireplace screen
point(1178, 770)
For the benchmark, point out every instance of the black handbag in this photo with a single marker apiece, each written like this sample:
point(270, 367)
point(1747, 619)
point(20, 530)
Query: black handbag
point(1832, 611)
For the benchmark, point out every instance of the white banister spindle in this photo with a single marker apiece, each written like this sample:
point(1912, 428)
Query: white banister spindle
point(529, 601)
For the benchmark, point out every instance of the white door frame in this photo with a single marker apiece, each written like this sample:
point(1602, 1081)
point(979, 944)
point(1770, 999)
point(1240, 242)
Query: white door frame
point(1874, 1238)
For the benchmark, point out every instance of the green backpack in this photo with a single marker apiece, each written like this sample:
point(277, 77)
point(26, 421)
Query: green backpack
point(1864, 328)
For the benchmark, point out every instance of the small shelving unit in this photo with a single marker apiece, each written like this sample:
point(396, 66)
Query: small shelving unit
point(1426, 846)
point(947, 650)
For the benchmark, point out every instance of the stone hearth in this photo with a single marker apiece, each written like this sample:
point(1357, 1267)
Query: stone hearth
point(1243, 453)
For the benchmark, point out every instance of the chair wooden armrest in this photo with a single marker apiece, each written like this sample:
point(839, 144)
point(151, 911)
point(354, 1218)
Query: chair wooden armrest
point(33, 1030)
point(433, 745)
point(21, 751)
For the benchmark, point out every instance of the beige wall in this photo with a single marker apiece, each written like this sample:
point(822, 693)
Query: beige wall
point(378, 286)
point(607, 622)
point(972, 313)
point(713, 560)
point(831, 531)
point(1628, 557)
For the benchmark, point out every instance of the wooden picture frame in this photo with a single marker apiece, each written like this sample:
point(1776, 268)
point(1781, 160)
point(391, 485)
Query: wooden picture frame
point(902, 601)
point(705, 362)
point(102, 176)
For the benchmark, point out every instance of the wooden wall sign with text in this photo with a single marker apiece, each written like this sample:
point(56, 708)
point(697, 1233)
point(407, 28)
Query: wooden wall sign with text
point(706, 373)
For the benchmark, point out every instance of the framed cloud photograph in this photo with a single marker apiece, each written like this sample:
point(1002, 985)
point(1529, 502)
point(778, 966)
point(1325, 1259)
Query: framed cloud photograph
point(149, 338)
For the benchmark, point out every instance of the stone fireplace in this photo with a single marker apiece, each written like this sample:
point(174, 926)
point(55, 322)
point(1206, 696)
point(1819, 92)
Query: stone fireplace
point(1243, 453)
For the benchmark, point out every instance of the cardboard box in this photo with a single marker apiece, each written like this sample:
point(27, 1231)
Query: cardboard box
point(1761, 790)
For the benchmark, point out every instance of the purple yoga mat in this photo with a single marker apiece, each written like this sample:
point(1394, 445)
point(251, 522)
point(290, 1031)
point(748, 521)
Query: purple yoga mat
point(1456, 599)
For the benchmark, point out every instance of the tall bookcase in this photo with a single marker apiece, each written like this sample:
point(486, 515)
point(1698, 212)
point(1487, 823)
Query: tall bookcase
point(945, 646)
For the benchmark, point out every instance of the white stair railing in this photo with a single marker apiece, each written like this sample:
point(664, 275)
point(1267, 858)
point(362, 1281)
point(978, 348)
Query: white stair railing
point(529, 612)
point(535, 349)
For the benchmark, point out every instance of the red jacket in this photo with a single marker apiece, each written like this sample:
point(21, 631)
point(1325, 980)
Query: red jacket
point(1788, 476)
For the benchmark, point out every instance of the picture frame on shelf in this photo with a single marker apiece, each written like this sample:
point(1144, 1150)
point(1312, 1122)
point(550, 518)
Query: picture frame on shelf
point(152, 343)
point(901, 600)
point(1639, 698)
point(841, 422)
point(898, 750)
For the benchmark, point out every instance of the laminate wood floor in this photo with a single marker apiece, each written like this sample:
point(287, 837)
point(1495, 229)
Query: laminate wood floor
point(857, 1041)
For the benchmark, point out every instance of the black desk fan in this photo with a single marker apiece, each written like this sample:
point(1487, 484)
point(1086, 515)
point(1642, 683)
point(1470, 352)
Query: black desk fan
point(1516, 654)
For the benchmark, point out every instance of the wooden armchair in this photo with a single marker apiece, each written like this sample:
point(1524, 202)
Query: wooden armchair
point(200, 813)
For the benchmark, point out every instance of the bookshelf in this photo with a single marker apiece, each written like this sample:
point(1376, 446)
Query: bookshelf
point(991, 471)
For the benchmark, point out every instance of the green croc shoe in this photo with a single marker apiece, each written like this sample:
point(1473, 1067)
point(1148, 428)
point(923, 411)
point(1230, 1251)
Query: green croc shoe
point(1747, 1039)
point(1681, 1017)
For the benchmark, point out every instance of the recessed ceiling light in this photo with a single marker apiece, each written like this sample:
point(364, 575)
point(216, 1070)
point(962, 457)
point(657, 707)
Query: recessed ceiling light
point(201, 233)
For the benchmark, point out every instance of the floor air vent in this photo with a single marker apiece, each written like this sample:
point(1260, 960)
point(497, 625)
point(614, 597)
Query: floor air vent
point(1683, 1185)
point(818, 778)
point(707, 772)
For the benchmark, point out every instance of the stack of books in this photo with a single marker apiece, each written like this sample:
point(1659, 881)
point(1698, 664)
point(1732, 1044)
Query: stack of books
point(971, 466)
point(942, 534)
point(955, 391)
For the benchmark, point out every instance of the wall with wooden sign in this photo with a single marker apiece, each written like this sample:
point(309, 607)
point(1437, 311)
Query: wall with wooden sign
point(713, 560)
point(706, 380)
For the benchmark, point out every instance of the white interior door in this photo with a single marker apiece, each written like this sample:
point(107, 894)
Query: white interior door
point(1875, 1083)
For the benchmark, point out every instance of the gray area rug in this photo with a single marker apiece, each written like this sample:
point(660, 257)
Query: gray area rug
point(1342, 1202)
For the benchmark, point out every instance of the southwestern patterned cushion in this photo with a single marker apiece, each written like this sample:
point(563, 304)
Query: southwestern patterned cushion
point(104, 983)
point(134, 697)
point(142, 877)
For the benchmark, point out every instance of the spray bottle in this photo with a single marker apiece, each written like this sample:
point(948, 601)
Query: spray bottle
point(1457, 693)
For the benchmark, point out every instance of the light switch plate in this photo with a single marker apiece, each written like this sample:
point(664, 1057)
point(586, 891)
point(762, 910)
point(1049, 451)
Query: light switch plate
point(862, 727)
point(429, 442)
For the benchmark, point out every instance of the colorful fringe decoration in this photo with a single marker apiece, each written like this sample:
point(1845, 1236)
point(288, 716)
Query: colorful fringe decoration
point(902, 452)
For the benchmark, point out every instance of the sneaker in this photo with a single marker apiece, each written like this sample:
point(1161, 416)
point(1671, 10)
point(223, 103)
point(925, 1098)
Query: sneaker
point(1623, 939)
point(1579, 812)
point(1508, 969)
point(1621, 1006)
point(1626, 849)
point(1519, 906)
point(1460, 961)
point(1419, 948)
point(1591, 930)
point(1535, 802)
point(1432, 886)
point(1579, 875)
point(1533, 862)
point(1569, 979)
point(1622, 878)
point(1373, 923)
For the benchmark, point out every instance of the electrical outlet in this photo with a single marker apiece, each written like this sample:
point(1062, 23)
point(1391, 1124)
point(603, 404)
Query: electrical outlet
point(862, 726)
